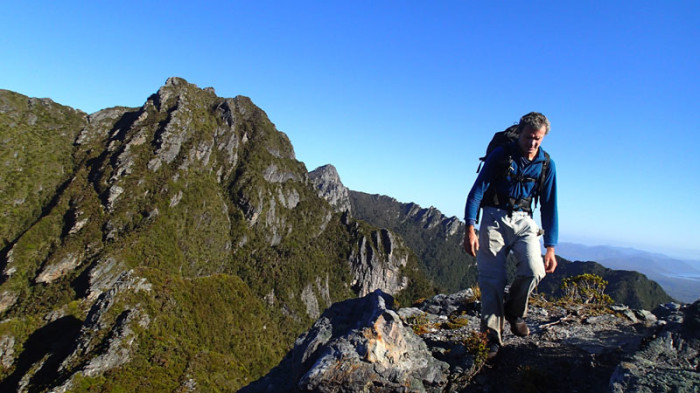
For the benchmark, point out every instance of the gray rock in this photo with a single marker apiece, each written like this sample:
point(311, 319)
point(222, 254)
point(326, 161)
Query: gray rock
point(358, 345)
point(103, 275)
point(53, 271)
point(448, 304)
point(7, 299)
point(273, 174)
point(7, 351)
point(376, 263)
point(329, 187)
point(669, 362)
point(309, 299)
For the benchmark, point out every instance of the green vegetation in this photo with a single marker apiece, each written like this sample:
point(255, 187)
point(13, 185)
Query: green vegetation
point(421, 324)
point(587, 289)
point(36, 156)
point(210, 329)
point(477, 345)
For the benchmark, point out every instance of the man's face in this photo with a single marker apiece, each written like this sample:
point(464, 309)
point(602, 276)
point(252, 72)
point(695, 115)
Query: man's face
point(530, 140)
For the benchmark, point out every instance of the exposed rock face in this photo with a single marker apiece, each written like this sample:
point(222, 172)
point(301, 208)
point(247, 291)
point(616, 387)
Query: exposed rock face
point(7, 351)
point(329, 187)
point(52, 272)
point(116, 348)
point(376, 263)
point(358, 346)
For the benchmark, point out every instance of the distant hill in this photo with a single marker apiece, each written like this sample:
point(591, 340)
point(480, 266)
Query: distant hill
point(624, 286)
point(680, 278)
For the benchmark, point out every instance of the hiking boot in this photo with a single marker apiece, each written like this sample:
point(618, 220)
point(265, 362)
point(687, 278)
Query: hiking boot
point(494, 347)
point(519, 327)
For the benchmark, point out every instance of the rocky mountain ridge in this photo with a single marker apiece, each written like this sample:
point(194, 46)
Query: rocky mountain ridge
point(133, 237)
point(365, 344)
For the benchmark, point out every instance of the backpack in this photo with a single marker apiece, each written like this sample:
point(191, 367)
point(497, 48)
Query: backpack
point(504, 139)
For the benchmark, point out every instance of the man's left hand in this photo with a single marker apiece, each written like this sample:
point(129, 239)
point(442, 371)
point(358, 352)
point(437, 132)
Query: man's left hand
point(550, 260)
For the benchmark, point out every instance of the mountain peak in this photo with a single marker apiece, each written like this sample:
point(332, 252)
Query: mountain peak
point(133, 237)
point(329, 187)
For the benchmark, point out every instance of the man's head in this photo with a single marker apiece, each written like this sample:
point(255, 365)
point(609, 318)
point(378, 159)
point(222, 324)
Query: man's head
point(532, 128)
point(534, 120)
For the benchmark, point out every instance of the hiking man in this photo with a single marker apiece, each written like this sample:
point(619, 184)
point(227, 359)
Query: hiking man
point(512, 176)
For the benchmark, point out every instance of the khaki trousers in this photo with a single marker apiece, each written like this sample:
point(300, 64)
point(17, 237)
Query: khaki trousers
point(500, 233)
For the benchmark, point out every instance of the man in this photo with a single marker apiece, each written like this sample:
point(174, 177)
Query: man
point(505, 188)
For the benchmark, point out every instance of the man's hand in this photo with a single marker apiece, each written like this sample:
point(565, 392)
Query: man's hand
point(471, 241)
point(550, 260)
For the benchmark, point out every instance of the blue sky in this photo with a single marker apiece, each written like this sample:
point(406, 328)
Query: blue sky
point(402, 97)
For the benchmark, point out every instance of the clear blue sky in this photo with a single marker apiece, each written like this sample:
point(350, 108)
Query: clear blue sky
point(403, 96)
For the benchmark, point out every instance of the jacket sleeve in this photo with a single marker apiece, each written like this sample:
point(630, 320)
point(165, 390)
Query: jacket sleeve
point(480, 185)
point(548, 208)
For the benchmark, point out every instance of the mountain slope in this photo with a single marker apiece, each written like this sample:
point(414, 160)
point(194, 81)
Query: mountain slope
point(175, 246)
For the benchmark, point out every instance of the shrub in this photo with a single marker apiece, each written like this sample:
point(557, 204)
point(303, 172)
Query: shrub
point(587, 289)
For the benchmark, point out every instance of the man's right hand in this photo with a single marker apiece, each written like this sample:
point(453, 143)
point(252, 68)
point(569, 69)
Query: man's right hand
point(471, 241)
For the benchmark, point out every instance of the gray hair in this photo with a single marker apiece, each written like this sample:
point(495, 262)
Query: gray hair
point(535, 121)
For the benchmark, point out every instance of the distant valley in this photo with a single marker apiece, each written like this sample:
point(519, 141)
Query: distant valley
point(679, 278)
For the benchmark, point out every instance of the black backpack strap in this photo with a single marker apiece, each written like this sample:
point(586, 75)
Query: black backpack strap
point(543, 175)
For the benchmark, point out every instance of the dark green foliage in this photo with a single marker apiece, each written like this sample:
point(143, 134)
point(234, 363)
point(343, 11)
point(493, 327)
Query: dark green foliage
point(36, 156)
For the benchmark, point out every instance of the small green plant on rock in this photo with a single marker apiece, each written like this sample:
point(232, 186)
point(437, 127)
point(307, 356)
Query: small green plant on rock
point(455, 321)
point(475, 294)
point(477, 345)
point(586, 289)
point(420, 324)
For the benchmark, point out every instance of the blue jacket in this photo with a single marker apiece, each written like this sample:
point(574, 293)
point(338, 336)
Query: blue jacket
point(518, 190)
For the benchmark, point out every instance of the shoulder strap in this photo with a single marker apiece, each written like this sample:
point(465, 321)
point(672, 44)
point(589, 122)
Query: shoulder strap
point(543, 176)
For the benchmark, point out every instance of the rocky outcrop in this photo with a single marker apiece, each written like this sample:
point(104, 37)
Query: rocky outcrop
point(329, 187)
point(118, 332)
point(670, 361)
point(363, 345)
point(357, 345)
